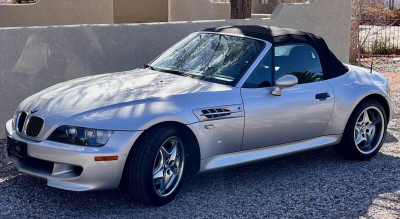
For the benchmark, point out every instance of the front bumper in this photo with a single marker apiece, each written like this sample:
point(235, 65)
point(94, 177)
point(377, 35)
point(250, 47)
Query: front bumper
point(72, 167)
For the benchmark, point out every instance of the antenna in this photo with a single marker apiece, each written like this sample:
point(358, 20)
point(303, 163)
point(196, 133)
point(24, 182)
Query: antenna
point(372, 54)
point(372, 62)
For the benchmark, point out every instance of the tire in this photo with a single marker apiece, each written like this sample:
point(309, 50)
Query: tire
point(363, 136)
point(152, 162)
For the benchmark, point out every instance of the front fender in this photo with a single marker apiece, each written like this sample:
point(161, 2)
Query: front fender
point(132, 118)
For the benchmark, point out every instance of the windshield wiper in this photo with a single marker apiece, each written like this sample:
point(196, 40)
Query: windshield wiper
point(164, 70)
point(149, 66)
point(172, 72)
point(176, 72)
point(182, 74)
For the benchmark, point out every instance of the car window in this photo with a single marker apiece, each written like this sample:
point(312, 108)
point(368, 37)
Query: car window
point(262, 74)
point(211, 57)
point(283, 50)
point(300, 60)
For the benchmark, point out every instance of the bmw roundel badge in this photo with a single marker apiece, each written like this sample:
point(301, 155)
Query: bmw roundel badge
point(34, 110)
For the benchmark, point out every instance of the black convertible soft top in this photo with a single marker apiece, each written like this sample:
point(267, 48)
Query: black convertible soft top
point(331, 65)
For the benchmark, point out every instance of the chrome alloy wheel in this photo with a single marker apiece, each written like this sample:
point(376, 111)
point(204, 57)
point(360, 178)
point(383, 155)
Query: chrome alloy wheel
point(369, 130)
point(168, 166)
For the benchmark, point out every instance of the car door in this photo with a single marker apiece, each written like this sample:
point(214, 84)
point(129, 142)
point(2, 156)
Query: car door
point(301, 112)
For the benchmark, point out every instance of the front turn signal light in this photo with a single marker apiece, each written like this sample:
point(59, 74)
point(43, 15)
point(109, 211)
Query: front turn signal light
point(105, 158)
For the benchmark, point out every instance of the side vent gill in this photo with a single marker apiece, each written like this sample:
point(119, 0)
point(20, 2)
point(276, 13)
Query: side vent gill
point(215, 113)
point(220, 112)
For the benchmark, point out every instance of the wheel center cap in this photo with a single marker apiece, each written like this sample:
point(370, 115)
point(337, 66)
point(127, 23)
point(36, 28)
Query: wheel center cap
point(166, 166)
point(363, 129)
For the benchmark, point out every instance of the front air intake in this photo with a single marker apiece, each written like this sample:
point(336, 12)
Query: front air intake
point(34, 127)
point(21, 121)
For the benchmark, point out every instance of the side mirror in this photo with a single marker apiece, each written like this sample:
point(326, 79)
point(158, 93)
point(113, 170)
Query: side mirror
point(284, 81)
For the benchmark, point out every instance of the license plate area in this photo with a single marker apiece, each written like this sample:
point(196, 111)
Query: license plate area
point(17, 149)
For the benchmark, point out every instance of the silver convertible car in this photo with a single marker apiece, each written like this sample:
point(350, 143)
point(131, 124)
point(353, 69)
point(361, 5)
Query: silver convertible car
point(220, 97)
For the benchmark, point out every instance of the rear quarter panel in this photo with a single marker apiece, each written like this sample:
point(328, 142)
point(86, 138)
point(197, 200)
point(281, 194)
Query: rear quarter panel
point(350, 89)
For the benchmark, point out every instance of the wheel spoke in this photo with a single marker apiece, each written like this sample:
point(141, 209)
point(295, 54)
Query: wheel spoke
point(174, 152)
point(158, 174)
point(165, 154)
point(171, 181)
point(367, 146)
point(366, 119)
point(162, 185)
point(362, 118)
point(174, 168)
point(371, 126)
point(165, 182)
point(158, 163)
point(360, 139)
point(367, 138)
point(359, 123)
point(159, 168)
point(372, 133)
point(357, 132)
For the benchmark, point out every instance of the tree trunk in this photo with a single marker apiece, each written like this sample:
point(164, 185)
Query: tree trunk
point(240, 9)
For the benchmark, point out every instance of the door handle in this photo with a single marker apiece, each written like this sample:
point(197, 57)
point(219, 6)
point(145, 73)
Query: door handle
point(322, 96)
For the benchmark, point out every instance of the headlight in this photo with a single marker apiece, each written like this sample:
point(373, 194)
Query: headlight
point(81, 136)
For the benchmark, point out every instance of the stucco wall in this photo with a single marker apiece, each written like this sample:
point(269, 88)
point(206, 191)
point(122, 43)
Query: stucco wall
point(270, 7)
point(258, 8)
point(140, 11)
point(192, 10)
point(57, 12)
point(32, 59)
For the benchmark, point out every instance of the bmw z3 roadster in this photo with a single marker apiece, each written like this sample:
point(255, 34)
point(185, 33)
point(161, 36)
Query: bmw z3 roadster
point(220, 97)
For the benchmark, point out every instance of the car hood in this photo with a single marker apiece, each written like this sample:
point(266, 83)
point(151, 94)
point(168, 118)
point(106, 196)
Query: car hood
point(115, 89)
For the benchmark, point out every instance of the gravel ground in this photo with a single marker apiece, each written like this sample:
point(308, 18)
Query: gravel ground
point(317, 184)
point(381, 64)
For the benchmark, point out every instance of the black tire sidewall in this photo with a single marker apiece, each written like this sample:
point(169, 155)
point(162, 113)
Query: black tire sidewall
point(348, 145)
point(145, 179)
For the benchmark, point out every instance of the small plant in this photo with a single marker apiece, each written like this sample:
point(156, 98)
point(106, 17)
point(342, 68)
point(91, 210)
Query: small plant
point(381, 47)
point(378, 12)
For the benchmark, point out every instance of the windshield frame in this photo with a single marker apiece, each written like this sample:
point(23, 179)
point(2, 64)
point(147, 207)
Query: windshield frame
point(239, 78)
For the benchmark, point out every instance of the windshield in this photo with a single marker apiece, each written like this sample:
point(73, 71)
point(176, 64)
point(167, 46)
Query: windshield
point(217, 58)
